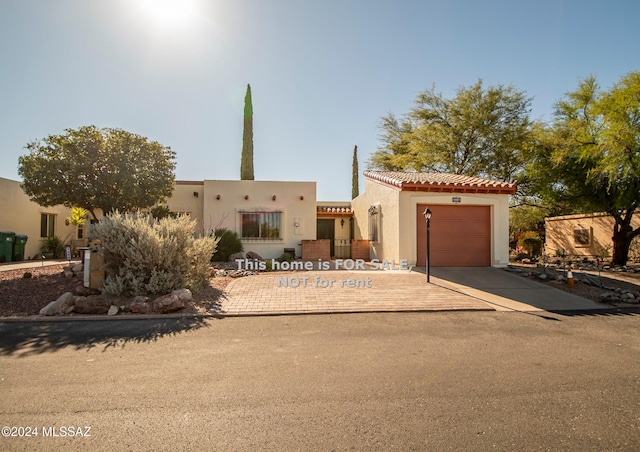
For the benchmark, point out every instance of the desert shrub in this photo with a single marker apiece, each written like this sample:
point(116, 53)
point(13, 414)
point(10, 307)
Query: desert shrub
point(229, 244)
point(531, 242)
point(143, 255)
point(285, 257)
point(52, 246)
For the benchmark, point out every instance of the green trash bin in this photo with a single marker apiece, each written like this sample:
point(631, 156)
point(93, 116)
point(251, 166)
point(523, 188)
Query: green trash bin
point(6, 246)
point(18, 247)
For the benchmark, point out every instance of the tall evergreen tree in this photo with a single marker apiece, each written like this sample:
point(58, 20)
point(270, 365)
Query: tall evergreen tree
point(354, 174)
point(246, 162)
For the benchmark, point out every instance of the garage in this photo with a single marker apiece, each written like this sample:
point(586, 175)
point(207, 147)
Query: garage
point(469, 222)
point(460, 236)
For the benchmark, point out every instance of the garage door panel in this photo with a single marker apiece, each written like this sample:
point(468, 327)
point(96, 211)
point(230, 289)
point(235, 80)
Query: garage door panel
point(460, 236)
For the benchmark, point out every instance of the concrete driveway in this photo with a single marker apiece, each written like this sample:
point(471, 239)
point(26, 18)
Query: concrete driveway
point(505, 291)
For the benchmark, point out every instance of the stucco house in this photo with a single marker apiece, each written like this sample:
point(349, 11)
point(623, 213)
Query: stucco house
point(21, 215)
point(269, 216)
point(584, 235)
point(469, 224)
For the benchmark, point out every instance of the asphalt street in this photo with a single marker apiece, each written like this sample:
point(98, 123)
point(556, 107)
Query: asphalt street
point(403, 381)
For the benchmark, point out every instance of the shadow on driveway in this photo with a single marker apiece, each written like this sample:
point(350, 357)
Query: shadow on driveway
point(32, 338)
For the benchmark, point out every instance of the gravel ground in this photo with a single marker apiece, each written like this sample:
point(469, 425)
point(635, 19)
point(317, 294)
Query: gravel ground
point(22, 297)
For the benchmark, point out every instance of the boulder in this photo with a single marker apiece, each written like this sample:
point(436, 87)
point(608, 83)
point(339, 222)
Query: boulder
point(92, 305)
point(542, 276)
point(59, 306)
point(86, 291)
point(139, 305)
point(167, 303)
point(235, 256)
point(608, 296)
point(78, 268)
point(253, 256)
point(184, 294)
point(69, 274)
point(113, 310)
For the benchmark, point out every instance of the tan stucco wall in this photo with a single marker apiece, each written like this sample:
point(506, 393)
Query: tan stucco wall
point(20, 215)
point(297, 201)
point(398, 222)
point(184, 201)
point(559, 234)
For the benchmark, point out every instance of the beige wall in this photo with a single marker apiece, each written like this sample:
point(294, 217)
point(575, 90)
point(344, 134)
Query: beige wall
point(20, 215)
point(184, 200)
point(599, 226)
point(398, 221)
point(224, 201)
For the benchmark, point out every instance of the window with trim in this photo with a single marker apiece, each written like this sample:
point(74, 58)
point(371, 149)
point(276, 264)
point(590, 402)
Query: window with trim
point(582, 237)
point(47, 225)
point(374, 224)
point(261, 225)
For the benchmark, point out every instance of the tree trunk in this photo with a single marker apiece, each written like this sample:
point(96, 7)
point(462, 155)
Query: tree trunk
point(621, 241)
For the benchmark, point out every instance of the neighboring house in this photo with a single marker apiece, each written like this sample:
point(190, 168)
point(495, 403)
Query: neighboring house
point(585, 235)
point(268, 216)
point(469, 224)
point(21, 215)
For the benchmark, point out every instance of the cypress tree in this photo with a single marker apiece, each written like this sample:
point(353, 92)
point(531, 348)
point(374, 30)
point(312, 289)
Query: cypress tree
point(246, 162)
point(354, 174)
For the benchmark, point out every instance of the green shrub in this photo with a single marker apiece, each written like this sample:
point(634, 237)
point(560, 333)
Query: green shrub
point(229, 244)
point(53, 247)
point(285, 257)
point(531, 242)
point(144, 256)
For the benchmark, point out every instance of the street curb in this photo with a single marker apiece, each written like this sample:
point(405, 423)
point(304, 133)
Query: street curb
point(85, 318)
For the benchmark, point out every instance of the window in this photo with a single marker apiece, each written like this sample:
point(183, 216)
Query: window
point(80, 230)
point(374, 224)
point(261, 225)
point(582, 237)
point(47, 225)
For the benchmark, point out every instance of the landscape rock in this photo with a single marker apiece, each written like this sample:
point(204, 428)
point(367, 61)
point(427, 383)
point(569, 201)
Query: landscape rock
point(609, 296)
point(78, 268)
point(184, 294)
point(86, 291)
point(59, 306)
point(139, 305)
point(542, 276)
point(235, 256)
point(113, 310)
point(167, 303)
point(92, 305)
point(254, 256)
point(69, 274)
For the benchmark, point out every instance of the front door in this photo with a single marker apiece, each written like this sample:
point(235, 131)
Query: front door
point(326, 229)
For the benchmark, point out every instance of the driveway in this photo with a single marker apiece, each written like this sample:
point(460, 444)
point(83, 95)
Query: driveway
point(451, 289)
point(505, 291)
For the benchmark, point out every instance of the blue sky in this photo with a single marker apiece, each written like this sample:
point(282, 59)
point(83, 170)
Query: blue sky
point(322, 73)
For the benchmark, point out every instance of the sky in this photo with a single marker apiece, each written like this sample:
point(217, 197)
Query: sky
point(322, 73)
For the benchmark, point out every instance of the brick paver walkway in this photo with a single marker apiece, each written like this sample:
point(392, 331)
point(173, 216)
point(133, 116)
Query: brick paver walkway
point(342, 291)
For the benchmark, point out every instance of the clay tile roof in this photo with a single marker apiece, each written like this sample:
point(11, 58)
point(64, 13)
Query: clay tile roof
point(334, 210)
point(440, 182)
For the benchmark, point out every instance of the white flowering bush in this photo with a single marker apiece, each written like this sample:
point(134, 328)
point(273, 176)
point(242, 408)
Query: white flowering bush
point(143, 255)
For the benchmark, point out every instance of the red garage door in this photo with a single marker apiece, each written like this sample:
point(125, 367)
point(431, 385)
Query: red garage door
point(460, 236)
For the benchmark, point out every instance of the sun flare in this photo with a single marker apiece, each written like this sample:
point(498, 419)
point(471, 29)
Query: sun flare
point(169, 13)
